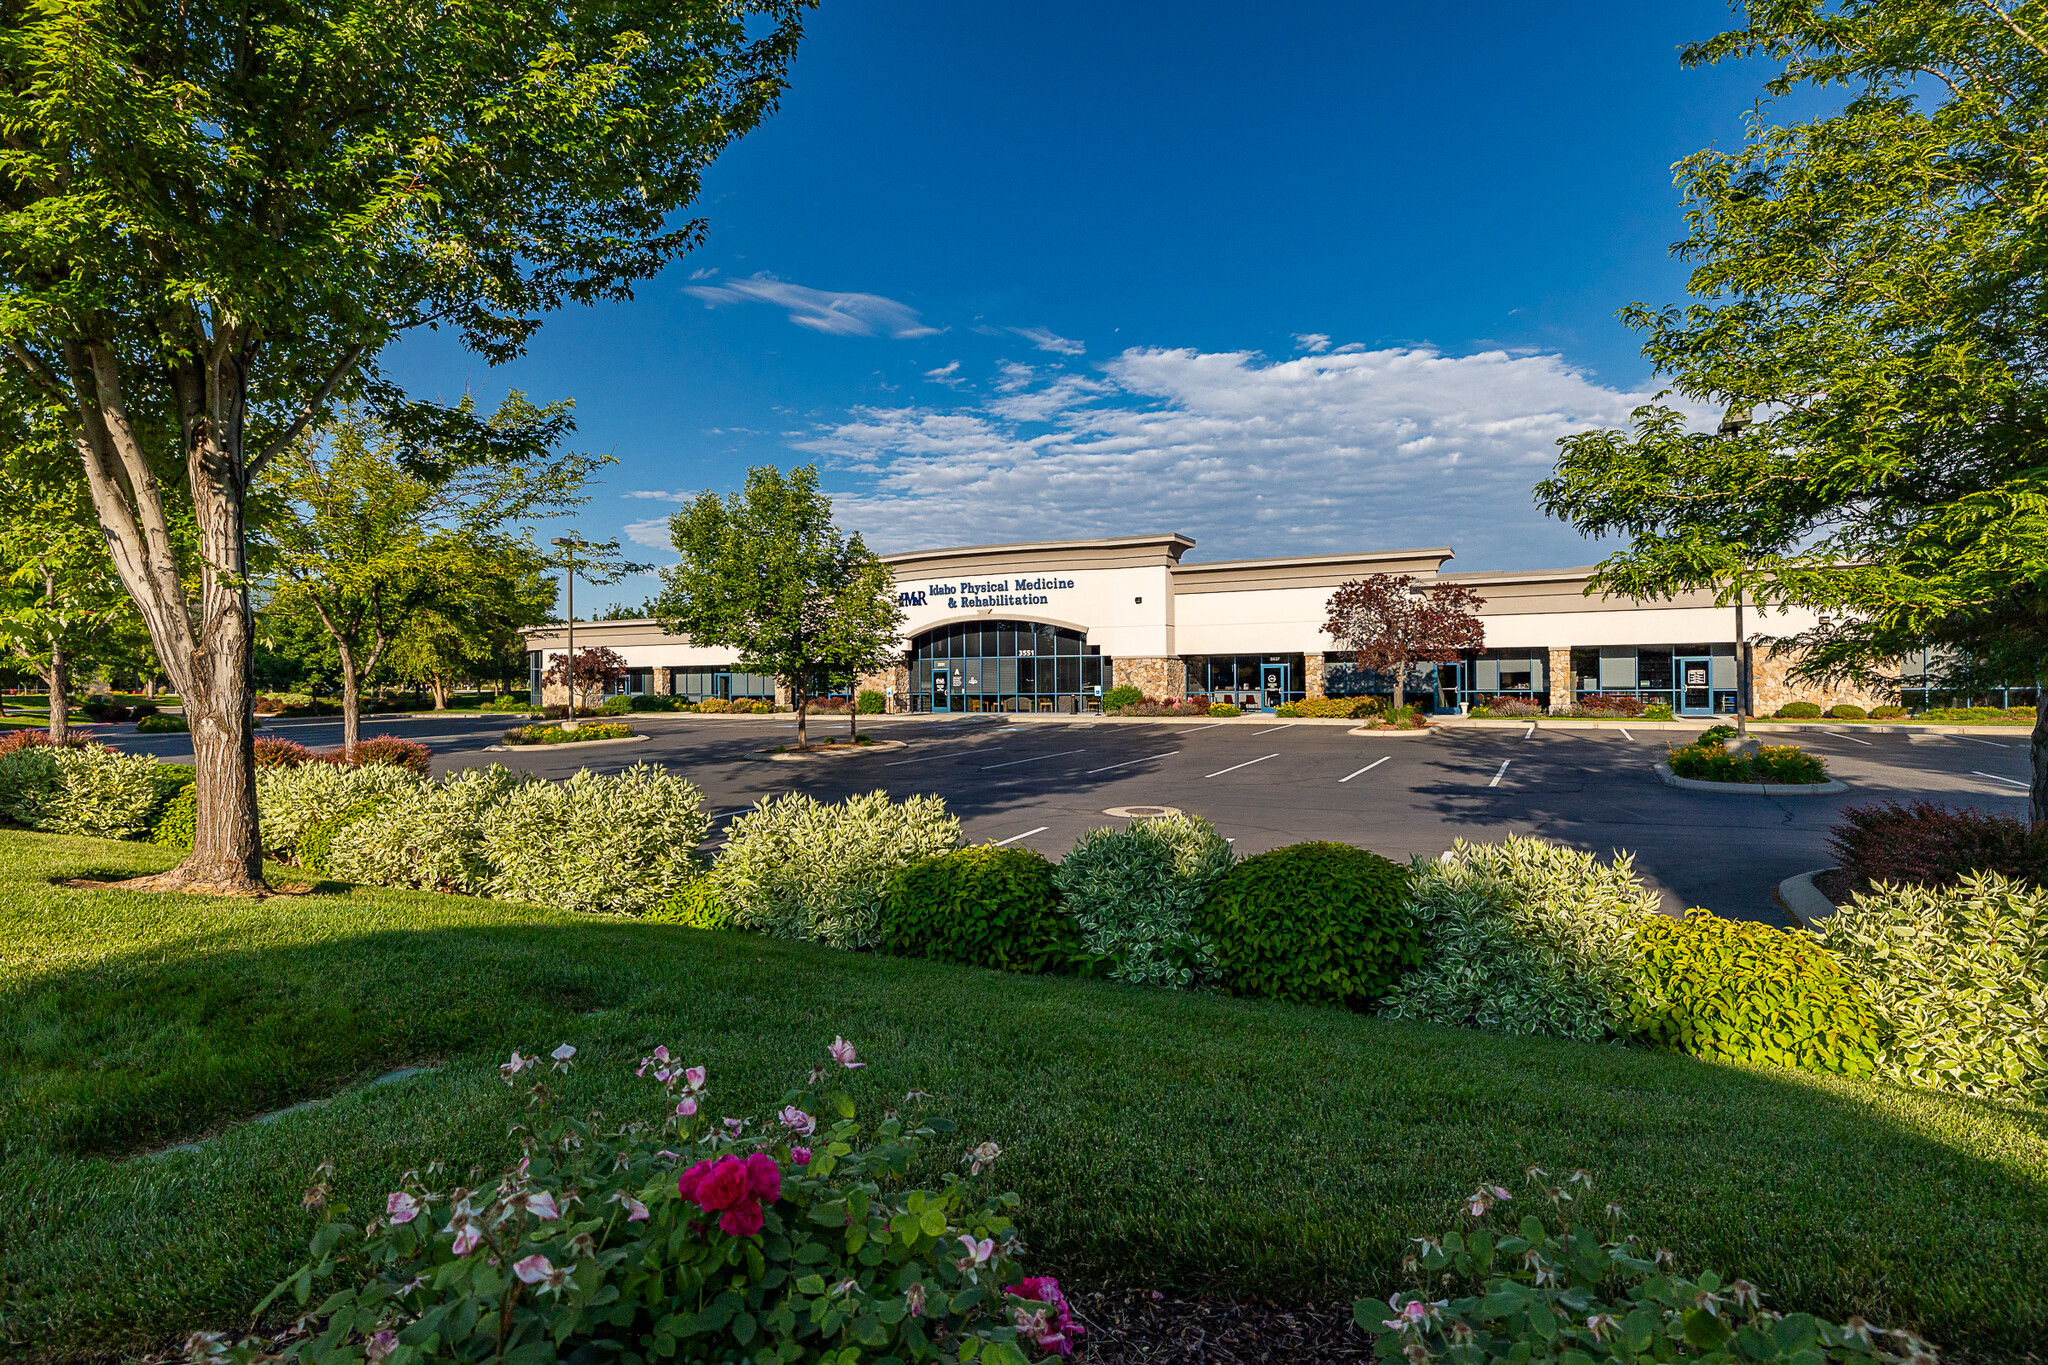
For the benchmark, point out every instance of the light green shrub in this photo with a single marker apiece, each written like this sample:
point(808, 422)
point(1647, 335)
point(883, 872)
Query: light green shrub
point(316, 841)
point(696, 906)
point(616, 845)
point(104, 794)
point(871, 703)
point(177, 824)
point(1134, 893)
point(291, 800)
point(1116, 698)
point(796, 868)
point(1959, 974)
point(1738, 991)
point(1525, 937)
point(980, 907)
point(1314, 923)
point(429, 837)
point(29, 779)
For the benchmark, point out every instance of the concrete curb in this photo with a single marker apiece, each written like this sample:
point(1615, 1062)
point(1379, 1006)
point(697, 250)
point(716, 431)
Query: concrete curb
point(566, 744)
point(1802, 900)
point(1423, 733)
point(835, 751)
point(1671, 779)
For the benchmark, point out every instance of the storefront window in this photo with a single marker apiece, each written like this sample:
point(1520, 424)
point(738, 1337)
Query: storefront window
point(1256, 682)
point(1006, 666)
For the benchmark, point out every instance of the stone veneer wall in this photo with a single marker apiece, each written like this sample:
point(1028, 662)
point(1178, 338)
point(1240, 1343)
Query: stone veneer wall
point(1156, 678)
point(1563, 688)
point(897, 677)
point(1312, 673)
point(1771, 688)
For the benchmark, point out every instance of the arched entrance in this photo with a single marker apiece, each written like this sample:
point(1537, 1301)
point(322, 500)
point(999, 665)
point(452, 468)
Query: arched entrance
point(1005, 666)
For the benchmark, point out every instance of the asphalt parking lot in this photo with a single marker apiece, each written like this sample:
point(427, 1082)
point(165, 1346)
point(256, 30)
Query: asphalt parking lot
point(1040, 784)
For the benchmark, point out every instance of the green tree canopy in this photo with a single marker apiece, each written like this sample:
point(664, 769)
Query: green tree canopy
point(1868, 304)
point(765, 571)
point(213, 217)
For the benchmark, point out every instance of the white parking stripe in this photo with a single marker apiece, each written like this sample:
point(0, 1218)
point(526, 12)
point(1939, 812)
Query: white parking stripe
point(1626, 735)
point(1837, 734)
point(1033, 759)
point(1128, 762)
point(945, 753)
point(1996, 778)
point(1368, 767)
point(1530, 733)
point(1235, 766)
point(1502, 773)
point(1974, 740)
point(1274, 731)
point(1025, 835)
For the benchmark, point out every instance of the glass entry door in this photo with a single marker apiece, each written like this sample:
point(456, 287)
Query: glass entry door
point(941, 689)
point(721, 686)
point(1695, 687)
point(1273, 686)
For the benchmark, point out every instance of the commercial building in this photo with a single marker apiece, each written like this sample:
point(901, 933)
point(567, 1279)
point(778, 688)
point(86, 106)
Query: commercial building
point(1049, 626)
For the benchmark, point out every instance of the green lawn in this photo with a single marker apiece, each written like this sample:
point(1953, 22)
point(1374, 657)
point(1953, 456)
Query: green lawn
point(1156, 1138)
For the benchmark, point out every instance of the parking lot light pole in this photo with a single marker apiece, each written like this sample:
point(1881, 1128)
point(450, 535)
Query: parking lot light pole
point(569, 545)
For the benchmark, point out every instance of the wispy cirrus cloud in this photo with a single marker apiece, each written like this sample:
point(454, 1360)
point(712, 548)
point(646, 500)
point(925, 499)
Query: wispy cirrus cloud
point(1045, 339)
point(1336, 449)
point(832, 312)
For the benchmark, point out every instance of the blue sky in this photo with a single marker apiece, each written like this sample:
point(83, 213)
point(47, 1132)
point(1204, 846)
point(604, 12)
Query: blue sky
point(1284, 278)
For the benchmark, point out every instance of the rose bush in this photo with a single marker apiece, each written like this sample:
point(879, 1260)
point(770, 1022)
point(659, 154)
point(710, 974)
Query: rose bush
point(676, 1237)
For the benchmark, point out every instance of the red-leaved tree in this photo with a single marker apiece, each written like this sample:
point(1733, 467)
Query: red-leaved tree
point(1388, 623)
point(595, 670)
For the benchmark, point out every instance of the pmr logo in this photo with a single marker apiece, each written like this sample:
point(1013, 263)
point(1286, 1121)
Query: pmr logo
point(909, 599)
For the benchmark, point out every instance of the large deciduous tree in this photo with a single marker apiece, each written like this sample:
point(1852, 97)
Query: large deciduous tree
point(212, 217)
point(765, 571)
point(1389, 624)
point(367, 538)
point(1869, 305)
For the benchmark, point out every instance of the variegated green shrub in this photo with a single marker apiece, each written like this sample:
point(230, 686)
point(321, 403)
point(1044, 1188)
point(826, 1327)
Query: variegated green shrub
point(429, 836)
point(1959, 974)
point(796, 868)
point(83, 789)
point(616, 845)
point(1134, 893)
point(290, 801)
point(1525, 937)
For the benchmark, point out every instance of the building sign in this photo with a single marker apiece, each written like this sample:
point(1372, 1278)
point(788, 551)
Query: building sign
point(967, 594)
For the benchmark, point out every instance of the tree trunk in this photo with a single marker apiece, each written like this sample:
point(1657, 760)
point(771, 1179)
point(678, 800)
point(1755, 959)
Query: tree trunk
point(853, 717)
point(57, 681)
point(803, 706)
point(351, 700)
point(2037, 798)
point(1400, 684)
point(439, 685)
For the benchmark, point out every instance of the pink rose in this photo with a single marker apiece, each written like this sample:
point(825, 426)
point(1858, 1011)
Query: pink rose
point(742, 1219)
point(725, 1185)
point(401, 1207)
point(799, 1156)
point(764, 1177)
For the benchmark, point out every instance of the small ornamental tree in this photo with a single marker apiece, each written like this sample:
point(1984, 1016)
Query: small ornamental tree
point(766, 572)
point(1389, 624)
point(592, 670)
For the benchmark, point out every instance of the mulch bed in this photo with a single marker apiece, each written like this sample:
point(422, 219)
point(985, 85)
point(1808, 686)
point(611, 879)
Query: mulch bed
point(1128, 1327)
point(1837, 884)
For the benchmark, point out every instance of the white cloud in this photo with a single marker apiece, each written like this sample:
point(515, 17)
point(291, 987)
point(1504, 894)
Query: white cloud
point(947, 374)
point(1045, 339)
point(1345, 450)
point(821, 310)
point(660, 495)
point(652, 533)
point(1312, 342)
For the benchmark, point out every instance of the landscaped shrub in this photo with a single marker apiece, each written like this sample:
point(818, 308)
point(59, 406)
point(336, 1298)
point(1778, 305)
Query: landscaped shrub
point(1166, 706)
point(1848, 710)
point(871, 703)
point(1929, 844)
point(1335, 708)
point(979, 907)
point(1116, 698)
point(1798, 710)
point(289, 801)
point(161, 724)
point(386, 751)
point(1135, 894)
point(604, 1244)
point(1887, 713)
point(84, 789)
point(316, 844)
point(1313, 923)
point(177, 824)
point(1739, 991)
point(620, 845)
point(14, 740)
point(509, 702)
point(1525, 937)
point(429, 837)
point(1512, 1289)
point(272, 752)
point(1705, 760)
point(697, 906)
point(616, 706)
point(796, 868)
point(585, 732)
point(753, 706)
point(1516, 707)
point(713, 706)
point(1657, 710)
point(1977, 715)
point(1394, 718)
point(29, 778)
point(657, 702)
point(1959, 975)
point(1612, 704)
point(1224, 710)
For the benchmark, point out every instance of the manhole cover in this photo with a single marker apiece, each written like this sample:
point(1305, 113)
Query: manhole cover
point(1141, 812)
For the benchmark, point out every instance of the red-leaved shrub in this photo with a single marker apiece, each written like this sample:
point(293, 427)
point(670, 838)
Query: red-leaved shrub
point(1929, 844)
point(1616, 703)
point(24, 739)
point(272, 752)
point(386, 751)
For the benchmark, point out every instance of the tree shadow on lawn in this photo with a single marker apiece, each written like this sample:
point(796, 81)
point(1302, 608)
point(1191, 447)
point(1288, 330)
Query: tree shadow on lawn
point(1157, 1138)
